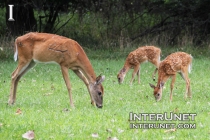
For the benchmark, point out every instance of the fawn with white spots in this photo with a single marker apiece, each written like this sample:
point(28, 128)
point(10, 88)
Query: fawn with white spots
point(136, 58)
point(179, 62)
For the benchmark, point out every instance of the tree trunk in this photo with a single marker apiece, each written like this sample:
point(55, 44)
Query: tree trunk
point(23, 15)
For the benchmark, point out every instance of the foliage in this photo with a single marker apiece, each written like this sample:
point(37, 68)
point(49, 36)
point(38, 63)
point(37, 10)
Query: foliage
point(123, 23)
point(2, 22)
point(6, 48)
point(23, 17)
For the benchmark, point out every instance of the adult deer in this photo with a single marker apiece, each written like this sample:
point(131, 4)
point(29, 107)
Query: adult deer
point(176, 62)
point(42, 47)
point(134, 60)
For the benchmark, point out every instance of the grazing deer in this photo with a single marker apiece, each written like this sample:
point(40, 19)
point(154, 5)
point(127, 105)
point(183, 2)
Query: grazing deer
point(42, 47)
point(176, 62)
point(134, 60)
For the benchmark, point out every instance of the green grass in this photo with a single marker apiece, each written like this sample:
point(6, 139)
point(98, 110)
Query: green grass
point(42, 96)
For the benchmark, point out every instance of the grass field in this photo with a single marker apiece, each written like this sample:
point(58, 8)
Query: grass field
point(44, 103)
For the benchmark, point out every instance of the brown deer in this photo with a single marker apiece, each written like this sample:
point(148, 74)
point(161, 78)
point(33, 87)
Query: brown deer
point(134, 60)
point(68, 54)
point(178, 62)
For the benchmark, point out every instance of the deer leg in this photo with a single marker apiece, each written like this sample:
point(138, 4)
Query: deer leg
point(153, 75)
point(136, 68)
point(172, 86)
point(184, 75)
point(189, 93)
point(67, 81)
point(156, 63)
point(138, 74)
point(83, 78)
point(16, 75)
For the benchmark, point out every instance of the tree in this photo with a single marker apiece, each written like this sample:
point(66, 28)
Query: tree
point(114, 19)
point(24, 17)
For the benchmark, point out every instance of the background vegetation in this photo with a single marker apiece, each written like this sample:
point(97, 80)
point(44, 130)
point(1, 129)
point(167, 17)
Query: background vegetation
point(112, 23)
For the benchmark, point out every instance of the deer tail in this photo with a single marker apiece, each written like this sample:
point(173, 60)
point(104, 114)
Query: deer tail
point(190, 65)
point(16, 51)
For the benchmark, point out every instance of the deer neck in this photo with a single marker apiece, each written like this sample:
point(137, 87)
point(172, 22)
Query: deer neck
point(88, 72)
point(162, 77)
point(86, 67)
point(125, 68)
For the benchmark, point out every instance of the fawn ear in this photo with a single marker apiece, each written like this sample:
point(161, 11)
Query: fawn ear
point(122, 70)
point(100, 79)
point(151, 85)
point(161, 85)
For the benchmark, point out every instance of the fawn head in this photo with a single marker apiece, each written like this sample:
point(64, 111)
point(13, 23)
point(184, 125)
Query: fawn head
point(121, 75)
point(157, 91)
point(97, 91)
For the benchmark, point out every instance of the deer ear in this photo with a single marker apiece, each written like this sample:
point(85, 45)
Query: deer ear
point(100, 79)
point(122, 70)
point(161, 85)
point(151, 85)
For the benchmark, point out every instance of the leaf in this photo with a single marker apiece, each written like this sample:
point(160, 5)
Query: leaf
point(47, 94)
point(109, 130)
point(52, 87)
point(176, 110)
point(95, 135)
point(188, 102)
point(112, 138)
point(65, 110)
point(145, 130)
point(169, 138)
point(201, 125)
point(29, 135)
point(170, 130)
point(120, 130)
point(18, 112)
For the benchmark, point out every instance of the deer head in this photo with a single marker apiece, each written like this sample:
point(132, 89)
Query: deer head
point(97, 91)
point(121, 75)
point(157, 91)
